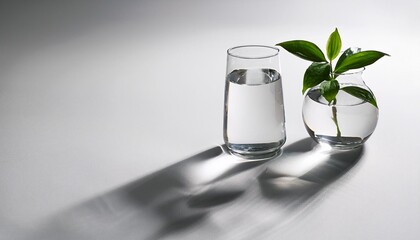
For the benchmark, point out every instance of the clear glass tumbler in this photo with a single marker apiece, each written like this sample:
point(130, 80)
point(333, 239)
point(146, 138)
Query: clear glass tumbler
point(254, 122)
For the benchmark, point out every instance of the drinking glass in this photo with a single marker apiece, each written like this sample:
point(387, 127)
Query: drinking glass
point(254, 122)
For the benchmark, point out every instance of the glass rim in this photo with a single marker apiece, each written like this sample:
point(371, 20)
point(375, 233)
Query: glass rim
point(230, 53)
point(352, 71)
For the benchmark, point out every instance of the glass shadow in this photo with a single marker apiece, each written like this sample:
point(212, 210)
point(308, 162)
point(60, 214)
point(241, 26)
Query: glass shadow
point(181, 197)
point(305, 168)
point(169, 200)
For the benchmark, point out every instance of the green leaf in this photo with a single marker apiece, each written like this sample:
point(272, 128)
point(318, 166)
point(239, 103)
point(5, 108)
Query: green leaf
point(304, 49)
point(315, 74)
point(333, 45)
point(329, 89)
point(361, 93)
point(358, 60)
point(345, 54)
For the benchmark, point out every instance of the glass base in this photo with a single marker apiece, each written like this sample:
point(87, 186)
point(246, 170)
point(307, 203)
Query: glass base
point(258, 151)
point(339, 142)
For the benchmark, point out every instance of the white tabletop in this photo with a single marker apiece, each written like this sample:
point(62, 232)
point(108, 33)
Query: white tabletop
point(111, 124)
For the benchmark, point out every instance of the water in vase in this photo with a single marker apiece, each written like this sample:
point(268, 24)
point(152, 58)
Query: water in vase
point(356, 119)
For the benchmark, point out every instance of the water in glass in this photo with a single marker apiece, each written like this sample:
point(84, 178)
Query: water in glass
point(254, 112)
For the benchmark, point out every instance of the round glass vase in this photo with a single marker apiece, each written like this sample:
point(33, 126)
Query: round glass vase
point(346, 124)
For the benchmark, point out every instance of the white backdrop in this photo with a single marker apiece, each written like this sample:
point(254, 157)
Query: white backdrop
point(97, 94)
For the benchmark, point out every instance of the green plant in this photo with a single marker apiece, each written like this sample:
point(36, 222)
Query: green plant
point(322, 72)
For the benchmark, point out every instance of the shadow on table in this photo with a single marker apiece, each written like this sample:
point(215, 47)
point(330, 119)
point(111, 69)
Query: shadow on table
point(181, 196)
point(304, 169)
point(172, 199)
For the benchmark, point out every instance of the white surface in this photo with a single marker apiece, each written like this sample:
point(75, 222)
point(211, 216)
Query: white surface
point(94, 95)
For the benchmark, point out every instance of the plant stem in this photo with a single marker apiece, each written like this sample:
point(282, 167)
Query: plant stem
point(334, 118)
point(333, 107)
